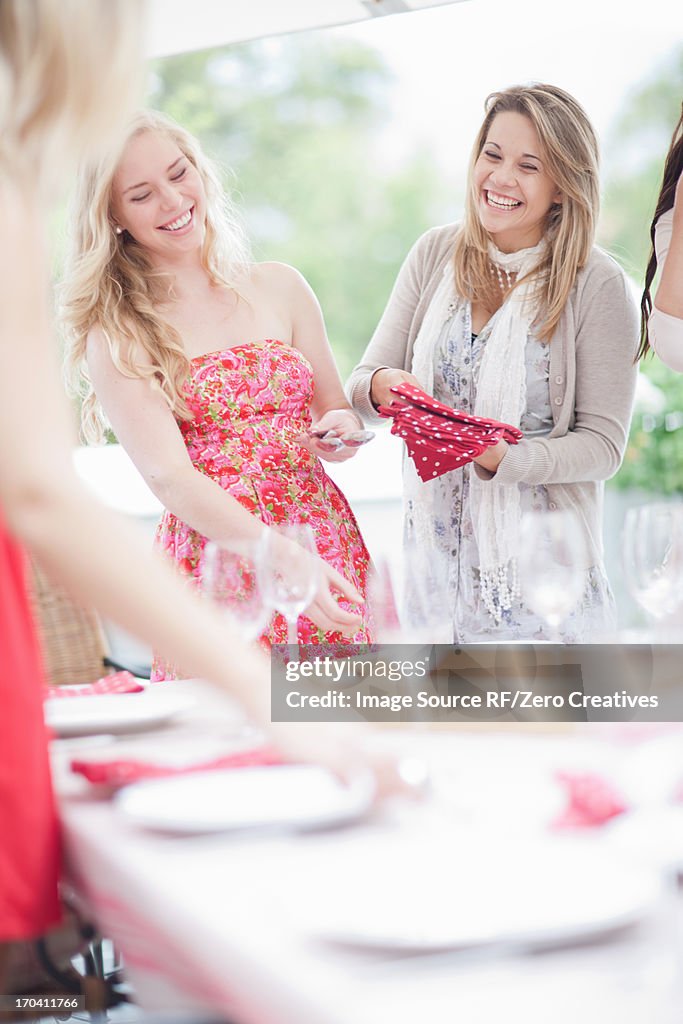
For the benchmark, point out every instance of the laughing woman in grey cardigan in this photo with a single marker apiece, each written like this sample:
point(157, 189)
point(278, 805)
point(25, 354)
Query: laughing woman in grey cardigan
point(514, 314)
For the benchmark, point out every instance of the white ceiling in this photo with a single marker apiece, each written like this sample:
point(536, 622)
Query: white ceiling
point(177, 26)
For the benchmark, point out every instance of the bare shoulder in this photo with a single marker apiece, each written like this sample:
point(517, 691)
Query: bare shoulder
point(278, 276)
point(97, 347)
point(102, 354)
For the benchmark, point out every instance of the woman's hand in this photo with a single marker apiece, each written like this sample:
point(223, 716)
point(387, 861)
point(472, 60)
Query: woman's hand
point(324, 610)
point(385, 379)
point(348, 750)
point(338, 422)
point(492, 457)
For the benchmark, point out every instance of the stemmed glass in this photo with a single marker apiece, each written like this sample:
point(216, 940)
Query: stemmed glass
point(551, 564)
point(652, 553)
point(230, 577)
point(290, 572)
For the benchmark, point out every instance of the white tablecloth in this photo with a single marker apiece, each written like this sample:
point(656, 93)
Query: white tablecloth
point(224, 922)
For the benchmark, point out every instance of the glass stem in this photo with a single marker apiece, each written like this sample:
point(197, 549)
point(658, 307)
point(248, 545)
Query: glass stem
point(293, 637)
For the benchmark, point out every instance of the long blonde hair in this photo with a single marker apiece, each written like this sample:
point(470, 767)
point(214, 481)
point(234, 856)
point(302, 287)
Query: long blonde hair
point(69, 72)
point(110, 283)
point(570, 155)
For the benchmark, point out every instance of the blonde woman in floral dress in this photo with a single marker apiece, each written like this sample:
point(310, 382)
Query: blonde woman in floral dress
point(211, 370)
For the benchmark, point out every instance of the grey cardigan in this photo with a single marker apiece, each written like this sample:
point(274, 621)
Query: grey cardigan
point(592, 378)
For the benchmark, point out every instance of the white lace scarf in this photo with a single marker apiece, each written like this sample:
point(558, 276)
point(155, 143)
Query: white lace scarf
point(501, 394)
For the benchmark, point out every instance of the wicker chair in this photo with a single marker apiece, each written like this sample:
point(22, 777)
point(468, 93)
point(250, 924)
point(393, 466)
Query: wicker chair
point(72, 638)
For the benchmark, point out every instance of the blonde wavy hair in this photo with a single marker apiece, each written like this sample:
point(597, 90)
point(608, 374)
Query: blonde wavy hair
point(110, 284)
point(69, 73)
point(571, 157)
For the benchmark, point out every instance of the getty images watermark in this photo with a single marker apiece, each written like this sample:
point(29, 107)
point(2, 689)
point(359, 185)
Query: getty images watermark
point(478, 682)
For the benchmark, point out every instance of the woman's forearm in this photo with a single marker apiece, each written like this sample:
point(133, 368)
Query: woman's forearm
point(203, 504)
point(343, 408)
point(105, 561)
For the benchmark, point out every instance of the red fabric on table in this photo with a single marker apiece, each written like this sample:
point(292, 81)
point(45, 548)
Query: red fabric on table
point(119, 682)
point(439, 438)
point(125, 771)
point(591, 801)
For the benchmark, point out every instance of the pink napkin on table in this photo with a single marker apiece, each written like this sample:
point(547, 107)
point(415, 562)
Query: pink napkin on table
point(591, 800)
point(438, 437)
point(119, 682)
point(126, 770)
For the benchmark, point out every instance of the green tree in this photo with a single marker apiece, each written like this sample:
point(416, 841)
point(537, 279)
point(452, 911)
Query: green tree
point(635, 152)
point(634, 161)
point(297, 121)
point(654, 458)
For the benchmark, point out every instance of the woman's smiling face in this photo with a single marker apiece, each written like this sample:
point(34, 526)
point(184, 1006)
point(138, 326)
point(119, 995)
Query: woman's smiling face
point(158, 197)
point(514, 191)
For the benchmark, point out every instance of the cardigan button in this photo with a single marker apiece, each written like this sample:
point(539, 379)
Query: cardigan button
point(558, 379)
point(558, 400)
point(552, 506)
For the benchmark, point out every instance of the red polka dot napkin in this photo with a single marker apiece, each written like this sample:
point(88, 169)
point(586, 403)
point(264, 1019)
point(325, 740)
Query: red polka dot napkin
point(119, 682)
point(439, 438)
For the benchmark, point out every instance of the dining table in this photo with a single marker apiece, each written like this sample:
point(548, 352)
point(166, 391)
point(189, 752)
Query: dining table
point(477, 902)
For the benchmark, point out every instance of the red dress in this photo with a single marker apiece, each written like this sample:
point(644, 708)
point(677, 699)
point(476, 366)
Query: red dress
point(250, 404)
point(29, 835)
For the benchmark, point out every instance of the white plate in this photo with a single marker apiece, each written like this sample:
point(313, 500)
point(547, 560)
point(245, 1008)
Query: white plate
point(652, 836)
point(280, 796)
point(113, 713)
point(415, 897)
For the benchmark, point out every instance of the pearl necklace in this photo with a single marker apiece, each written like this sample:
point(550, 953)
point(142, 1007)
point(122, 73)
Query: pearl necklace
point(497, 271)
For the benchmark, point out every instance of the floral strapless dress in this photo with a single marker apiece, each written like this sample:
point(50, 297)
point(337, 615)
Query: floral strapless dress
point(250, 403)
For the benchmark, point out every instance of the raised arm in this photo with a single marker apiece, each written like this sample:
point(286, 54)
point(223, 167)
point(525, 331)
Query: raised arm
point(145, 426)
point(331, 409)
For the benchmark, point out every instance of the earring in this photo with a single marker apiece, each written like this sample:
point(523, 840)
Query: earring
point(118, 229)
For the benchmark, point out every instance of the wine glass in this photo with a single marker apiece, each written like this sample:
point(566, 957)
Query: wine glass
point(290, 572)
point(230, 578)
point(551, 564)
point(652, 553)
